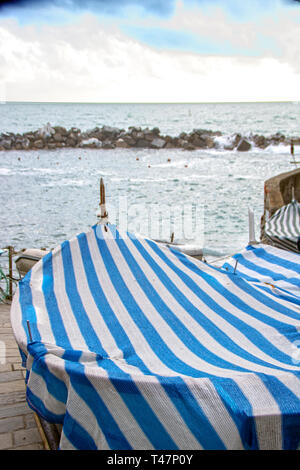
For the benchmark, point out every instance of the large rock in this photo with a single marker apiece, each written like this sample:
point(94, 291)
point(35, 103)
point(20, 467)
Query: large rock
point(108, 144)
point(6, 144)
point(26, 144)
point(46, 131)
point(142, 143)
point(260, 141)
point(110, 131)
point(71, 142)
point(198, 141)
point(243, 145)
point(158, 143)
point(60, 130)
point(38, 144)
point(58, 137)
point(129, 140)
point(120, 143)
point(91, 143)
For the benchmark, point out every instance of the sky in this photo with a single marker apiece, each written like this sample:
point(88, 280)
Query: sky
point(150, 50)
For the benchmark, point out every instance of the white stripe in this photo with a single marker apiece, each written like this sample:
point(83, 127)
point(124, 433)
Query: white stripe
point(193, 326)
point(118, 409)
point(163, 407)
point(175, 345)
point(38, 301)
point(214, 409)
point(266, 412)
point(67, 315)
point(265, 330)
point(38, 386)
point(275, 269)
point(136, 337)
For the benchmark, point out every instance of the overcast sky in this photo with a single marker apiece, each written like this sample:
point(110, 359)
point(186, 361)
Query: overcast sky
point(150, 50)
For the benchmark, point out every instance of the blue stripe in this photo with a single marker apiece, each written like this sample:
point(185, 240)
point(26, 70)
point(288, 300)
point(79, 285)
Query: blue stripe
point(55, 386)
point(132, 307)
point(284, 295)
point(253, 334)
point(203, 320)
point(37, 405)
point(289, 405)
point(276, 260)
point(265, 272)
point(84, 388)
point(134, 400)
point(27, 309)
point(57, 324)
point(240, 410)
point(77, 435)
point(287, 296)
point(190, 341)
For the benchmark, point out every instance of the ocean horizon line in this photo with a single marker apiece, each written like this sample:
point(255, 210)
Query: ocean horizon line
point(149, 102)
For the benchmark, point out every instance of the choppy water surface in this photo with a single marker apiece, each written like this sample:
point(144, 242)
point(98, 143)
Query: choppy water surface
point(49, 196)
point(261, 118)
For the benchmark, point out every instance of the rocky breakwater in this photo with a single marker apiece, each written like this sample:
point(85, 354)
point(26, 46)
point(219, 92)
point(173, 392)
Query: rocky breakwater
point(107, 137)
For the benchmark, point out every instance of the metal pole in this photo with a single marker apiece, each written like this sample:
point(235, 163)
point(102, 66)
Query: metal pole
point(29, 330)
point(10, 253)
point(236, 263)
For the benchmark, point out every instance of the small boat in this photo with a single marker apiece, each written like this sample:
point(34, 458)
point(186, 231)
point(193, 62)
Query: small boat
point(132, 345)
point(281, 221)
point(190, 250)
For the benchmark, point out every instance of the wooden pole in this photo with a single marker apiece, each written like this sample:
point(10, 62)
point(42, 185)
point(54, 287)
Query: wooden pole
point(103, 212)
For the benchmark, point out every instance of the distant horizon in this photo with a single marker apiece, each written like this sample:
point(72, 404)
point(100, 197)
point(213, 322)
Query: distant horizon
point(148, 102)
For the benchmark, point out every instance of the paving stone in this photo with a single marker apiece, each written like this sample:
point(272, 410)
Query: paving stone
point(13, 397)
point(17, 385)
point(11, 424)
point(4, 330)
point(12, 352)
point(30, 447)
point(16, 409)
point(26, 436)
point(18, 429)
point(6, 441)
point(17, 366)
point(6, 367)
point(30, 421)
point(10, 376)
point(13, 359)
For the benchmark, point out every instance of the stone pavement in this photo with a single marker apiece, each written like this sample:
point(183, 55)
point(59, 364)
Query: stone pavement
point(18, 427)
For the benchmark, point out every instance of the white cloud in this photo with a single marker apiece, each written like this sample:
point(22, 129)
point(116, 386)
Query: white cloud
point(89, 62)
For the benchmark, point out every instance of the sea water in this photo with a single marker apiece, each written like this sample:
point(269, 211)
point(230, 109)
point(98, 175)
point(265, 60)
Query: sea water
point(50, 196)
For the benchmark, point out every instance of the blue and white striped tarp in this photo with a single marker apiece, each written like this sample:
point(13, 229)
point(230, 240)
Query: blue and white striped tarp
point(282, 229)
point(137, 346)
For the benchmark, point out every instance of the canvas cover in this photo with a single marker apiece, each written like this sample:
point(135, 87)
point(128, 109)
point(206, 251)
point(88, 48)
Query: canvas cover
point(282, 229)
point(131, 345)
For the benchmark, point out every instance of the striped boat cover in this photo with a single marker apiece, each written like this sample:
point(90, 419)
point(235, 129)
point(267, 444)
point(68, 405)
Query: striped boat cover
point(137, 346)
point(283, 228)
